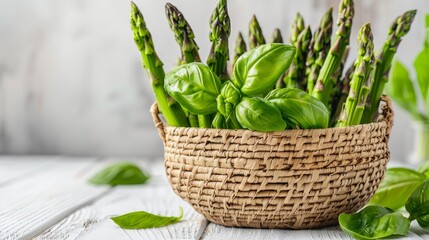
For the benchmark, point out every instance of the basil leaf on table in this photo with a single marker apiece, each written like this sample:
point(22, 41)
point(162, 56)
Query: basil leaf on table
point(374, 222)
point(418, 205)
point(260, 115)
point(257, 70)
point(120, 174)
point(142, 219)
point(299, 109)
point(195, 87)
point(396, 187)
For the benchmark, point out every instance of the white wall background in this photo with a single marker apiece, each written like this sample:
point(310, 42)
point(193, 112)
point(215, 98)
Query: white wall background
point(71, 80)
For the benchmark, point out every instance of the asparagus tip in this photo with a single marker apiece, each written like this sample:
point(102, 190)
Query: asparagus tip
point(134, 8)
point(276, 37)
point(240, 36)
point(253, 19)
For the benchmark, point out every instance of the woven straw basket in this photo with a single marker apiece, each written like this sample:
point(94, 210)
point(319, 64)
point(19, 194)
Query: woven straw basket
point(290, 179)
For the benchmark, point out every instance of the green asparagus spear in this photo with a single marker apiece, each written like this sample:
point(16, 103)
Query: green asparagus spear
point(336, 77)
point(296, 72)
point(359, 86)
point(319, 49)
point(240, 47)
point(183, 34)
point(172, 111)
point(383, 62)
point(193, 120)
point(338, 102)
point(297, 27)
point(325, 84)
point(256, 37)
point(276, 37)
point(186, 39)
point(220, 26)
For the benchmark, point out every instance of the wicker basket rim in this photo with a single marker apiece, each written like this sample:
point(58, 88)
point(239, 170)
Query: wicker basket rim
point(385, 119)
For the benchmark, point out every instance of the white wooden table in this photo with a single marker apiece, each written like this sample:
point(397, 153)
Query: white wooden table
point(49, 198)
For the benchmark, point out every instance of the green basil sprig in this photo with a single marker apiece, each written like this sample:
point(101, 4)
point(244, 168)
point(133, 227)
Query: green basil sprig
point(396, 187)
point(374, 222)
point(260, 115)
point(299, 109)
point(142, 219)
point(418, 205)
point(257, 71)
point(228, 98)
point(195, 87)
point(120, 174)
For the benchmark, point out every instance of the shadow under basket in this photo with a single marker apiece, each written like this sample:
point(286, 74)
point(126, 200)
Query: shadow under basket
point(293, 179)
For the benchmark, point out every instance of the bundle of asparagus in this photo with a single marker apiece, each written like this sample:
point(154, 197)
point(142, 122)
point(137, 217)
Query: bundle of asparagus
point(317, 68)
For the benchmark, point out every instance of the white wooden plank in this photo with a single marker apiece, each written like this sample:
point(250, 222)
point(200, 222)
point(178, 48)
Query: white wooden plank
point(32, 204)
point(215, 231)
point(423, 233)
point(14, 167)
point(93, 222)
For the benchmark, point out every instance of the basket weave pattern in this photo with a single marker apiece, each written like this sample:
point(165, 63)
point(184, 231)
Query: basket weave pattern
point(291, 179)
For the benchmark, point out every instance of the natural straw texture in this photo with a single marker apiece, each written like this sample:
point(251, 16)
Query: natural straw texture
point(291, 179)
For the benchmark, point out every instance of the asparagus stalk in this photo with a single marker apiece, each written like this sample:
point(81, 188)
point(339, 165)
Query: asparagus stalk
point(256, 37)
point(185, 37)
point(220, 26)
point(296, 71)
point(297, 27)
point(240, 47)
point(324, 84)
point(344, 87)
point(172, 111)
point(359, 85)
point(319, 49)
point(336, 77)
point(276, 37)
point(383, 62)
point(183, 34)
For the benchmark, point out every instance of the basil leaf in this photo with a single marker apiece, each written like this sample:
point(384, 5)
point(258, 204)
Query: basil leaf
point(257, 71)
point(400, 87)
point(120, 174)
point(418, 205)
point(195, 87)
point(299, 109)
point(396, 187)
point(142, 219)
point(229, 97)
point(424, 169)
point(421, 65)
point(374, 222)
point(260, 115)
point(219, 121)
